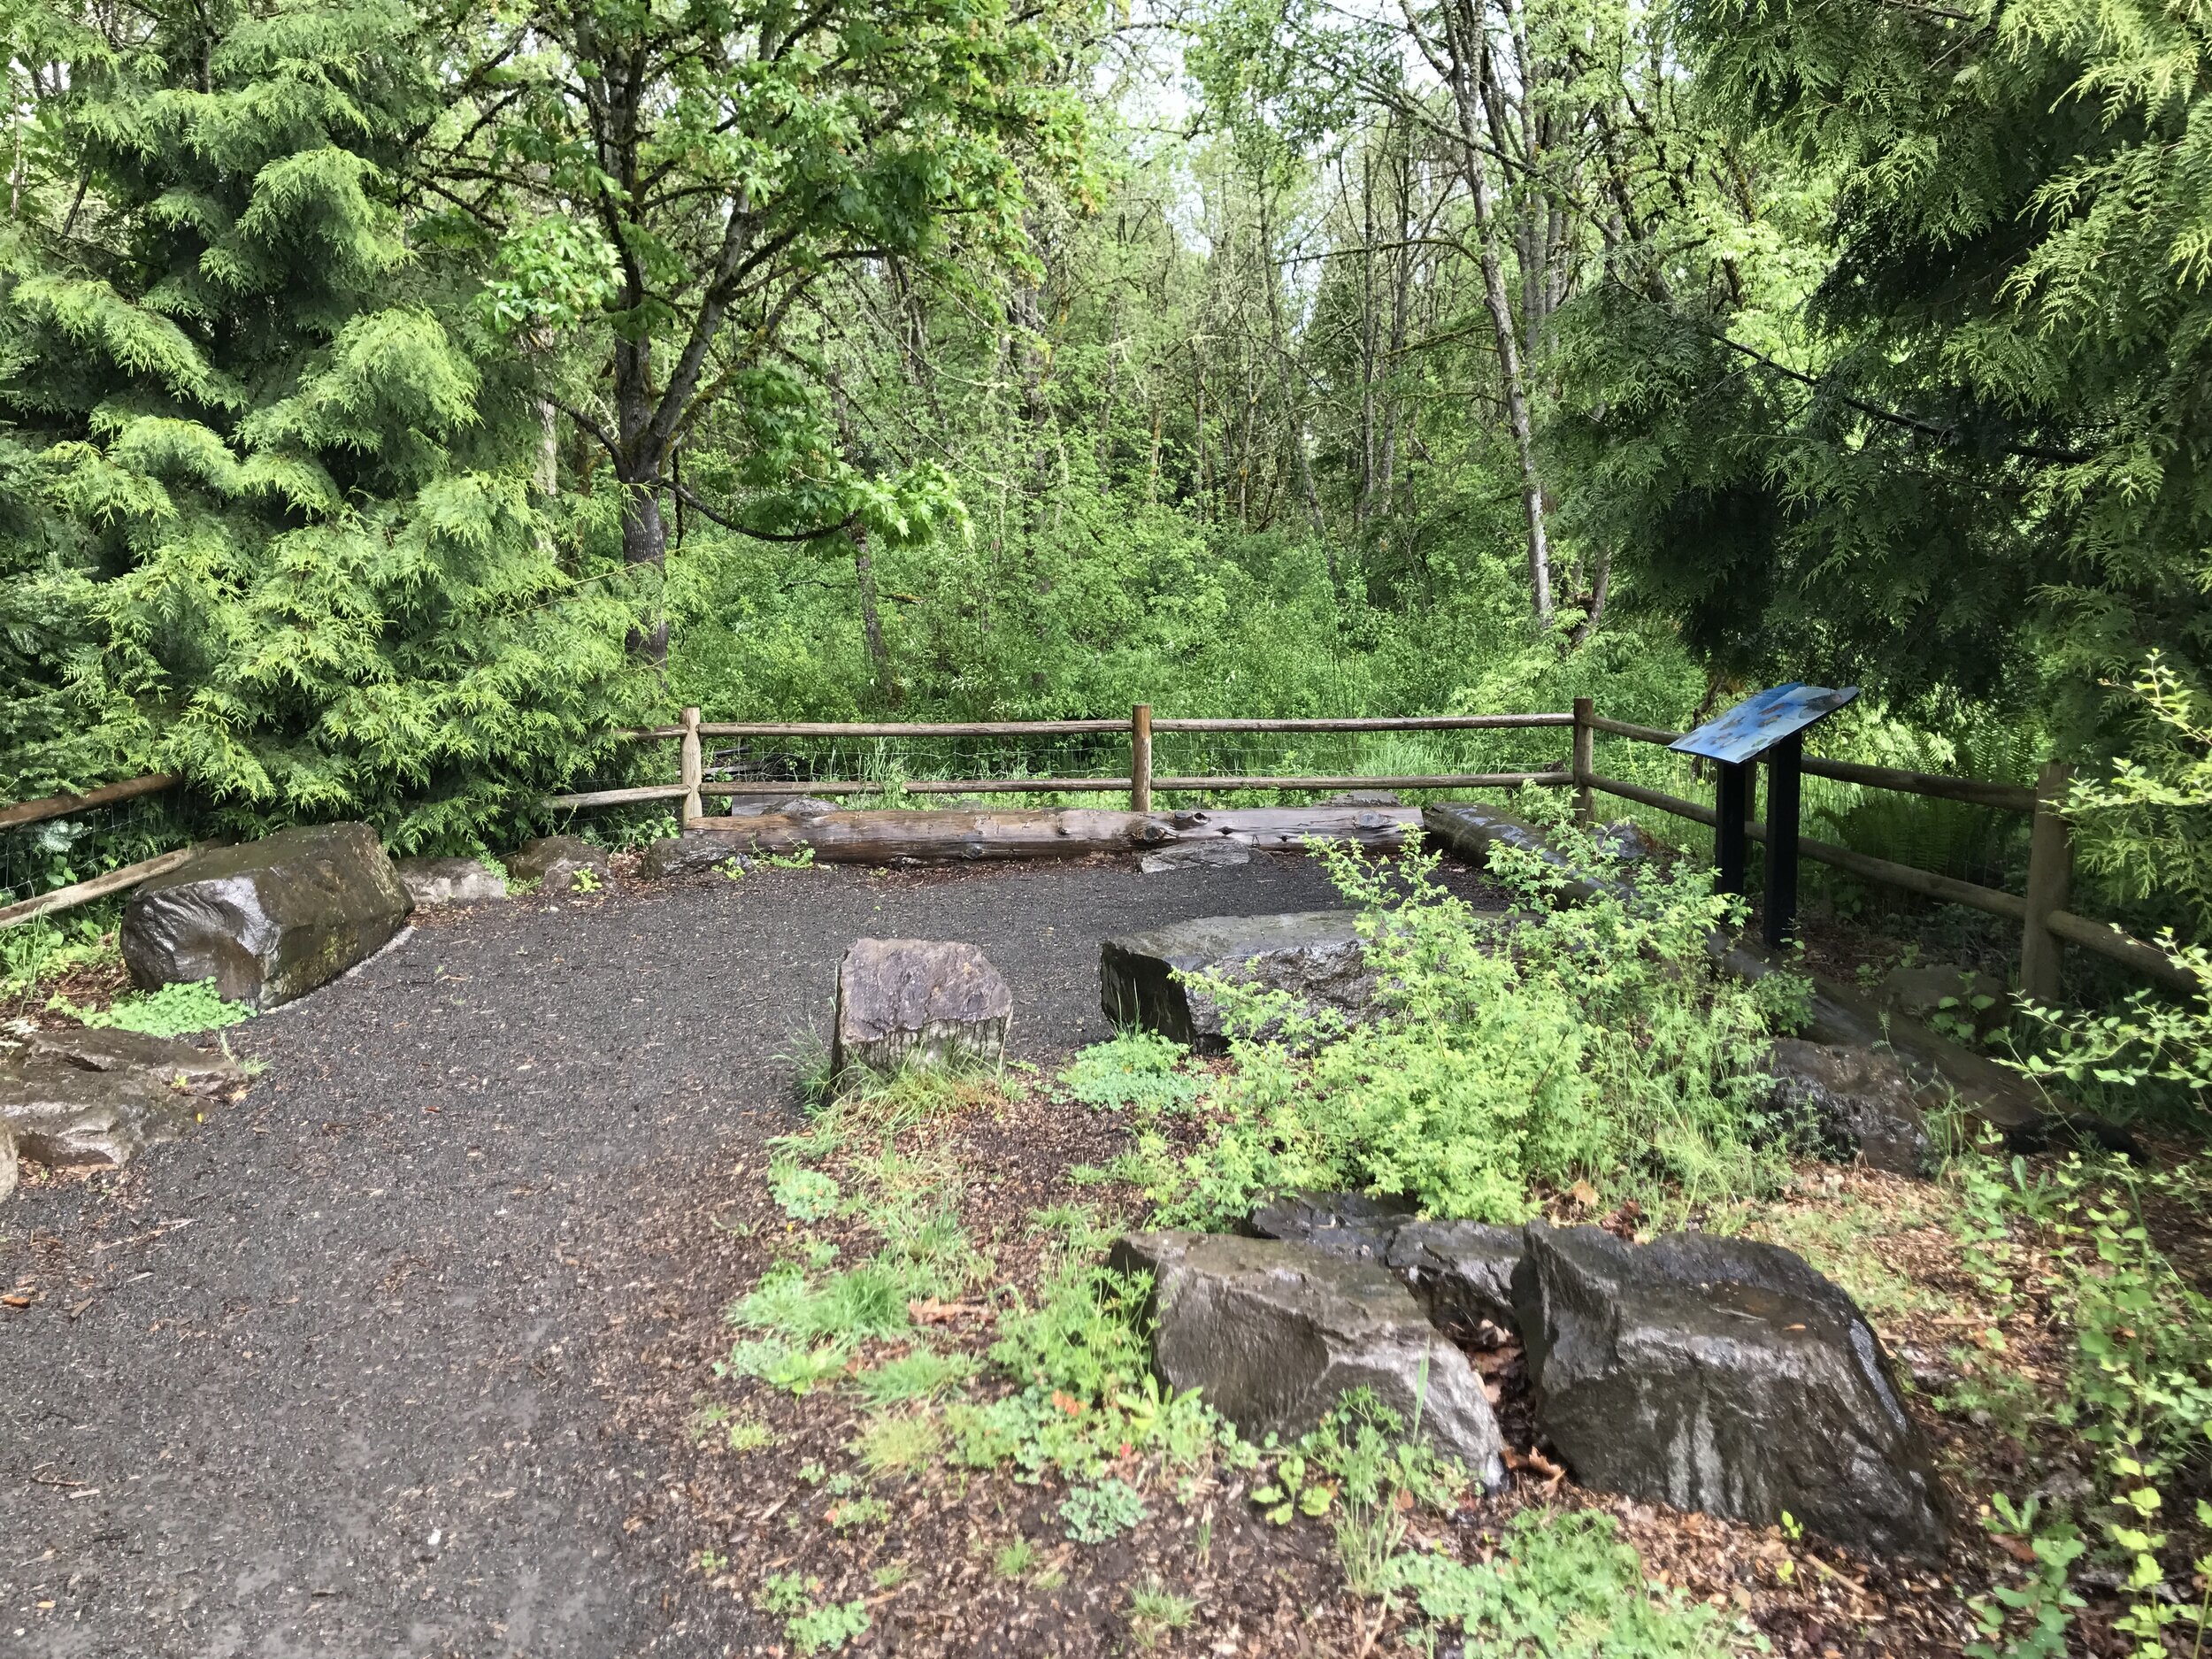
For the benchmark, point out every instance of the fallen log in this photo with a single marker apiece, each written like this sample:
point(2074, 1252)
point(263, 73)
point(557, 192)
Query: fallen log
point(940, 837)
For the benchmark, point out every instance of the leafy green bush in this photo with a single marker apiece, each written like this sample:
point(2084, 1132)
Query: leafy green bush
point(1592, 1042)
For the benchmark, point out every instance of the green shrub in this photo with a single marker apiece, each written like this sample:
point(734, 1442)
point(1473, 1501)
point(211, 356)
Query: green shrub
point(1592, 1042)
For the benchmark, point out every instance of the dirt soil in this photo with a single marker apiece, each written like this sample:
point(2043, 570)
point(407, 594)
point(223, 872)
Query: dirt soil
point(337, 1374)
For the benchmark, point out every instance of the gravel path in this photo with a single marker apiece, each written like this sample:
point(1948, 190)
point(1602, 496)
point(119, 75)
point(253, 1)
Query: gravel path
point(330, 1377)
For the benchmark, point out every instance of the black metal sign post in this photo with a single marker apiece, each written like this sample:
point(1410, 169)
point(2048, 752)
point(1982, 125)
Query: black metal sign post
point(1784, 773)
point(1731, 805)
point(1768, 726)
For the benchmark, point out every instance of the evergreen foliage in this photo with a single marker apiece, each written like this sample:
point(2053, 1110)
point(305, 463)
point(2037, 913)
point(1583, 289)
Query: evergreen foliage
point(271, 479)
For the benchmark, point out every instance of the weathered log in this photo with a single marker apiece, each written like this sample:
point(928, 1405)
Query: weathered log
point(926, 837)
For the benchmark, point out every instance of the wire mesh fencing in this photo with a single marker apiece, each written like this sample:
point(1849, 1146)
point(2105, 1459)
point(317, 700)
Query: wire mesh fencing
point(55, 852)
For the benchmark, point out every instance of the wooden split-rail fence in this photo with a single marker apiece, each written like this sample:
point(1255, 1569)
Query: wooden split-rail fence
point(2046, 926)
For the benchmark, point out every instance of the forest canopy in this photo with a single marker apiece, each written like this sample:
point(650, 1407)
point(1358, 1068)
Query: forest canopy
point(394, 400)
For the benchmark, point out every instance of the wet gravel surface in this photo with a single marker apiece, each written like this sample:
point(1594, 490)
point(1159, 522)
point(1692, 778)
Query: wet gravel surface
point(332, 1375)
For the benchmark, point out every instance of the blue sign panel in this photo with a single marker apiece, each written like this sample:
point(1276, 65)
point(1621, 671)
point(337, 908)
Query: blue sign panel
point(1762, 720)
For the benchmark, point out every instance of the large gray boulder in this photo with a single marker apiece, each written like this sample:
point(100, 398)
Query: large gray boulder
point(689, 854)
point(270, 919)
point(434, 883)
point(917, 1002)
point(1722, 1375)
point(1848, 1102)
point(63, 1114)
point(555, 861)
point(1314, 955)
point(1275, 1333)
point(164, 1061)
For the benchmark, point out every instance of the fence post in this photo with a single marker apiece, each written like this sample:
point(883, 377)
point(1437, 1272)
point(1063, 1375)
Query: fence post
point(1141, 758)
point(692, 771)
point(1585, 764)
point(2050, 868)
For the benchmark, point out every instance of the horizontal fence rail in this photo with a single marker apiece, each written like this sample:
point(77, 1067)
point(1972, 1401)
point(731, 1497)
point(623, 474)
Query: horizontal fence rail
point(106, 795)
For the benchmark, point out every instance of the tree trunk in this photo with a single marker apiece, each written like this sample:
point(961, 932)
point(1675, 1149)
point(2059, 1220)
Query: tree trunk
point(1464, 48)
point(645, 541)
point(871, 619)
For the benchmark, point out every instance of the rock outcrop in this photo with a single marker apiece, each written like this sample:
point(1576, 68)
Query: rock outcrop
point(917, 1002)
point(270, 919)
point(1347, 1224)
point(1847, 1102)
point(436, 883)
point(1274, 1333)
point(1722, 1375)
point(554, 862)
point(779, 806)
point(1314, 955)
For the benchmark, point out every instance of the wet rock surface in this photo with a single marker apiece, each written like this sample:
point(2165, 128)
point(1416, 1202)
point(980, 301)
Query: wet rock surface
point(1213, 855)
point(1953, 998)
point(1724, 1375)
point(1347, 1224)
point(687, 854)
point(1850, 1102)
point(67, 1115)
point(267, 920)
point(435, 882)
point(1459, 1272)
point(917, 1002)
point(1314, 955)
point(1274, 1333)
point(163, 1060)
point(555, 861)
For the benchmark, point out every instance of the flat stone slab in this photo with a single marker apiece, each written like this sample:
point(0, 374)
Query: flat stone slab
point(267, 920)
point(1315, 955)
point(1208, 854)
point(162, 1060)
point(1274, 1334)
point(554, 862)
point(435, 883)
point(1722, 1375)
point(918, 1002)
point(63, 1114)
